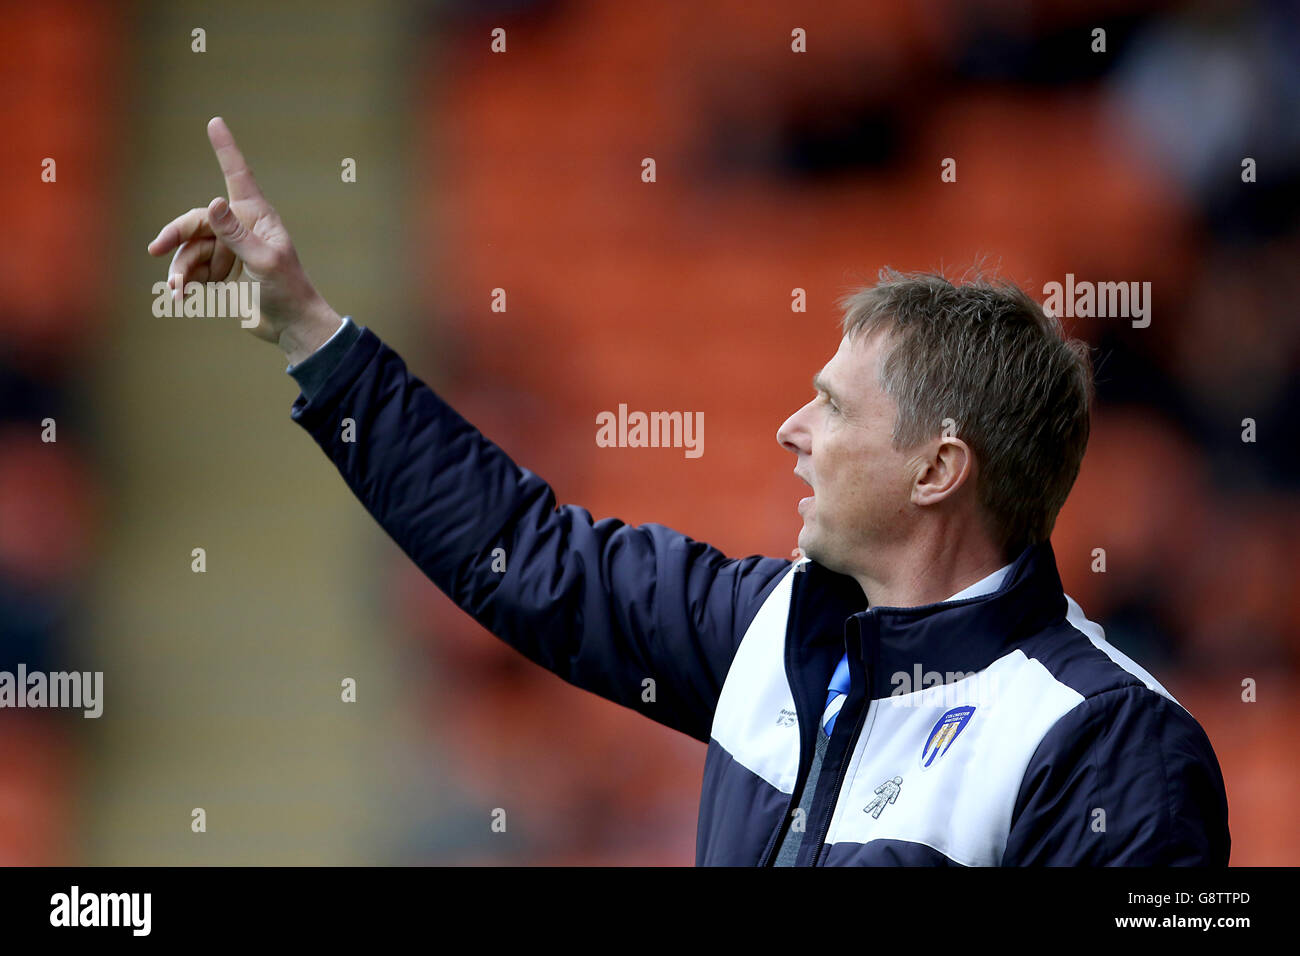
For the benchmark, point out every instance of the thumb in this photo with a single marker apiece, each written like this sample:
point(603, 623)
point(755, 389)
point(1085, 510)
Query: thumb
point(231, 231)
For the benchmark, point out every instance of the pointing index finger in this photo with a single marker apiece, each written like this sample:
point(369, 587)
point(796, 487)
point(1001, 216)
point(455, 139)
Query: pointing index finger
point(239, 178)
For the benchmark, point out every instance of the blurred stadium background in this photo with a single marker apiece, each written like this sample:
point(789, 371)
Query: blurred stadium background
point(521, 171)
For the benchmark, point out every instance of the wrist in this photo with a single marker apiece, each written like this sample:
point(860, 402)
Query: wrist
point(306, 334)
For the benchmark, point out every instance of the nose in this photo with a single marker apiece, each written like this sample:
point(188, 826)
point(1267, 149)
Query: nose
point(793, 435)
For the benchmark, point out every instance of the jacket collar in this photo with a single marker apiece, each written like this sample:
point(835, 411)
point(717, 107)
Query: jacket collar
point(946, 638)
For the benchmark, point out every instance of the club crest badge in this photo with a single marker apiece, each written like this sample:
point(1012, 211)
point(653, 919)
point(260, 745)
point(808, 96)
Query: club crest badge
point(944, 733)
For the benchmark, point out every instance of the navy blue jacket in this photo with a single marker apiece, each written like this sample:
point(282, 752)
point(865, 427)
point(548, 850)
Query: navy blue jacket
point(998, 730)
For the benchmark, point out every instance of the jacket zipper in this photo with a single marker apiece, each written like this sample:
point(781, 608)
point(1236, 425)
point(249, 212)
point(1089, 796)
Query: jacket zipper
point(839, 783)
point(775, 839)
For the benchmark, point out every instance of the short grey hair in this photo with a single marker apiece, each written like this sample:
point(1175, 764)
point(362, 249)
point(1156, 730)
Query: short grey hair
point(987, 356)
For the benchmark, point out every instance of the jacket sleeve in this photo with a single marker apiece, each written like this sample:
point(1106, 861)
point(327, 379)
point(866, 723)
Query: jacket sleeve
point(606, 606)
point(1126, 778)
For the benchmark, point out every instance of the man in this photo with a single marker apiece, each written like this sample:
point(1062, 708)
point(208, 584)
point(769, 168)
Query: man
point(915, 689)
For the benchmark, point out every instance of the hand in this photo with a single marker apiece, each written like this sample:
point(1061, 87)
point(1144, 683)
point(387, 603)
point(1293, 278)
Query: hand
point(214, 243)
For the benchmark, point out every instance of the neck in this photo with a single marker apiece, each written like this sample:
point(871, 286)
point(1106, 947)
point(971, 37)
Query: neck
point(927, 571)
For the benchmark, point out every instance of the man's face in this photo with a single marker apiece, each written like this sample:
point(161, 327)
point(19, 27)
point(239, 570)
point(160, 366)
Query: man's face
point(843, 438)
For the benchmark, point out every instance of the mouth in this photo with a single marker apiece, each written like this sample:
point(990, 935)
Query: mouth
point(803, 502)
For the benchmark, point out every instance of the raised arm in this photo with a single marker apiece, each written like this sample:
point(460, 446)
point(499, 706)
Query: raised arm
point(644, 616)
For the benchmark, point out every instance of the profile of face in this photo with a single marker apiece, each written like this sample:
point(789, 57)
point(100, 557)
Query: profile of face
point(862, 487)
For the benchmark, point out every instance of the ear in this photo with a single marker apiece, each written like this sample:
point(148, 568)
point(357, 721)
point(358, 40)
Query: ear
point(948, 466)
